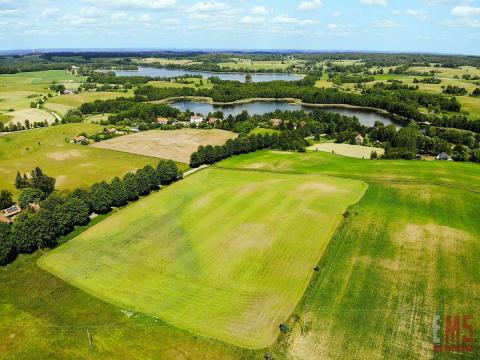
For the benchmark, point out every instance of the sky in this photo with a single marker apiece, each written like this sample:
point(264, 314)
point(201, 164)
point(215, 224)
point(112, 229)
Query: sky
point(440, 26)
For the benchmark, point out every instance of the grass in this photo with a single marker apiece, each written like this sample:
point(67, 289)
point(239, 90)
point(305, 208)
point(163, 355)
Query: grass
point(407, 253)
point(164, 61)
point(263, 131)
point(17, 90)
point(452, 174)
point(71, 164)
point(43, 317)
point(237, 64)
point(161, 255)
point(196, 83)
point(176, 145)
point(63, 103)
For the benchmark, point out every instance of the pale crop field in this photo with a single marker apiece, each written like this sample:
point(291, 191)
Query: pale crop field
point(347, 150)
point(176, 145)
point(225, 254)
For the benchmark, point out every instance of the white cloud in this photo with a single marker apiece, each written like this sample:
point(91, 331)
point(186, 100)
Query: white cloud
point(375, 2)
point(50, 11)
point(145, 18)
point(140, 4)
point(260, 10)
point(310, 5)
point(336, 13)
point(465, 11)
point(419, 14)
point(385, 24)
point(464, 22)
point(118, 16)
point(339, 30)
point(285, 19)
point(252, 20)
point(208, 6)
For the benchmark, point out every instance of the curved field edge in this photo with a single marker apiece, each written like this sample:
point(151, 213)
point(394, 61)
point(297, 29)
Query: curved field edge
point(401, 257)
point(236, 284)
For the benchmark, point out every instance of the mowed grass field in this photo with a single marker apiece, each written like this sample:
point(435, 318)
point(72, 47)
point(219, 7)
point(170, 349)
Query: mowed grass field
point(17, 91)
point(225, 254)
point(63, 103)
point(452, 174)
point(176, 145)
point(72, 165)
point(406, 254)
point(409, 250)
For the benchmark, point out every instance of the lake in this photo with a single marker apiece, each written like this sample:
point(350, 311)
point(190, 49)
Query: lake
point(168, 73)
point(366, 117)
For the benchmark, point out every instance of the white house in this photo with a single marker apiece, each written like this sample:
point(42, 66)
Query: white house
point(196, 119)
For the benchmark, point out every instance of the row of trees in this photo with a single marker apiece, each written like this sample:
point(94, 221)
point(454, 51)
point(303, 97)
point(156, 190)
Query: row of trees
point(286, 140)
point(60, 212)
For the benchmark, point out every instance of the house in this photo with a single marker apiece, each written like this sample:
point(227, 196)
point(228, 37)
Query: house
point(276, 122)
point(12, 211)
point(196, 119)
point(68, 92)
point(444, 156)
point(162, 121)
point(34, 207)
point(74, 70)
point(303, 124)
point(111, 131)
point(359, 139)
point(120, 132)
point(5, 220)
point(79, 139)
point(134, 129)
point(213, 121)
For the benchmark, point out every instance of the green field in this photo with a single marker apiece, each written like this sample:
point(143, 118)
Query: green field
point(72, 165)
point(238, 64)
point(409, 250)
point(229, 270)
point(17, 91)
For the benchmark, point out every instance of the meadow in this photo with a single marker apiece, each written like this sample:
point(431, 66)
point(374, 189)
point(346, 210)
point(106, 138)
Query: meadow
point(240, 64)
point(232, 270)
point(176, 145)
point(409, 250)
point(72, 165)
point(17, 91)
point(356, 151)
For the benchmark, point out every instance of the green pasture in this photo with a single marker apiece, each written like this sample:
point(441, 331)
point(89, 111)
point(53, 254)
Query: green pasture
point(72, 165)
point(225, 254)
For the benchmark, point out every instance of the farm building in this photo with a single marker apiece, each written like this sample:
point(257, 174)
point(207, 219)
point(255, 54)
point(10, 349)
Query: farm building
point(276, 122)
point(11, 212)
point(213, 121)
point(443, 156)
point(196, 119)
point(359, 139)
point(68, 92)
point(79, 139)
point(162, 121)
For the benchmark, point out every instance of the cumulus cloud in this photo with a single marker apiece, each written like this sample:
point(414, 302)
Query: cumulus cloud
point(208, 6)
point(375, 2)
point(385, 24)
point(419, 14)
point(252, 20)
point(139, 4)
point(260, 10)
point(465, 11)
point(285, 19)
point(310, 5)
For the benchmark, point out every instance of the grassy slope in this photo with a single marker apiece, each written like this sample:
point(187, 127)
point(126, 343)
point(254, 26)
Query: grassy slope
point(407, 252)
point(433, 172)
point(72, 165)
point(411, 252)
point(15, 89)
point(228, 270)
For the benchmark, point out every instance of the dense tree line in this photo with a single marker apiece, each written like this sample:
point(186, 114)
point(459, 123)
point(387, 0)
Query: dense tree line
point(286, 140)
point(60, 212)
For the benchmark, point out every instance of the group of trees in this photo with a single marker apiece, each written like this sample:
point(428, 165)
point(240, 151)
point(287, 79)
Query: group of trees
point(35, 187)
point(60, 212)
point(286, 140)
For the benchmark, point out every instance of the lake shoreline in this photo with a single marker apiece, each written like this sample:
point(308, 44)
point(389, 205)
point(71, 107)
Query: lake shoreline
point(292, 101)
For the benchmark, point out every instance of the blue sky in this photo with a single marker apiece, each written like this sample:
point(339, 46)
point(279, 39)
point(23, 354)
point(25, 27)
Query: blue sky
point(445, 26)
